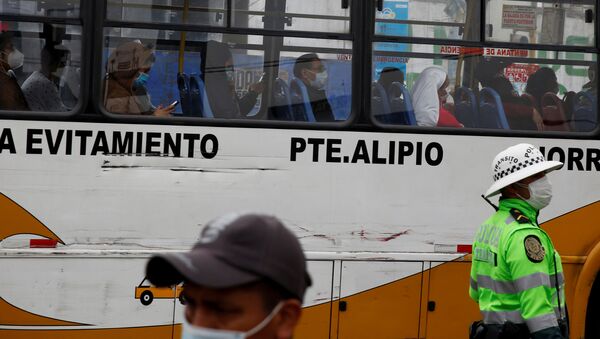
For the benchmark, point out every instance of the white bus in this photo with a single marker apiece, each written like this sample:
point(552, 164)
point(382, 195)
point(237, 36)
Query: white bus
point(308, 110)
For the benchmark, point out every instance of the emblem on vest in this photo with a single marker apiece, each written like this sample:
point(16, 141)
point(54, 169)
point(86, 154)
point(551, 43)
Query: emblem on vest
point(534, 249)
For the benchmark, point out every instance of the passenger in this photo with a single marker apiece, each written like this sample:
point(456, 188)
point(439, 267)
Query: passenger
point(541, 82)
point(312, 72)
point(428, 97)
point(219, 77)
point(592, 85)
point(126, 68)
point(487, 70)
point(521, 115)
point(41, 87)
point(11, 96)
point(390, 75)
point(246, 277)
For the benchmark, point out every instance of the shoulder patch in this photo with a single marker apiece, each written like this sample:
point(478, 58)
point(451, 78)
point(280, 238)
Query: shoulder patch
point(519, 217)
point(533, 249)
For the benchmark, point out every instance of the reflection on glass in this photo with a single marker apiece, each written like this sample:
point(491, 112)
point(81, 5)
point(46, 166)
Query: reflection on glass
point(56, 8)
point(39, 74)
point(537, 22)
point(454, 19)
point(196, 12)
point(492, 88)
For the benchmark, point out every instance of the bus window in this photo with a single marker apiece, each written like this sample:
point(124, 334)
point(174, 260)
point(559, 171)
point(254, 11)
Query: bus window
point(308, 15)
point(541, 22)
point(40, 66)
point(55, 8)
point(491, 88)
point(198, 12)
point(455, 19)
point(219, 78)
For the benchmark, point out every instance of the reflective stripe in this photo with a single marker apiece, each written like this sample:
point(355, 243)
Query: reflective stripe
point(541, 322)
point(491, 317)
point(509, 220)
point(473, 284)
point(519, 285)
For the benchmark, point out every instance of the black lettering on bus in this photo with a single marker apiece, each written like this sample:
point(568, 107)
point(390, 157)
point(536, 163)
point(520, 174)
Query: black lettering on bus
point(151, 142)
point(83, 135)
point(439, 152)
point(592, 158)
point(575, 159)
point(316, 142)
point(69, 145)
point(419, 154)
point(298, 145)
point(392, 153)
point(559, 152)
point(191, 138)
point(7, 142)
point(375, 157)
point(332, 151)
point(100, 144)
point(122, 145)
point(361, 153)
point(213, 141)
point(172, 146)
point(139, 136)
point(54, 144)
point(405, 148)
point(32, 140)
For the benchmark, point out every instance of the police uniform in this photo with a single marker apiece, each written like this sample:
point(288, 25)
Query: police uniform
point(516, 274)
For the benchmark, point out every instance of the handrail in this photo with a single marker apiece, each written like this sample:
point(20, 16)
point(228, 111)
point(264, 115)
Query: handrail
point(182, 35)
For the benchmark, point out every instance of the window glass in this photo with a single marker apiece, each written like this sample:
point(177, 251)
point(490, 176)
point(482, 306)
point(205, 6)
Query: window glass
point(307, 15)
point(494, 88)
point(224, 76)
point(453, 19)
point(199, 12)
point(541, 22)
point(55, 8)
point(40, 67)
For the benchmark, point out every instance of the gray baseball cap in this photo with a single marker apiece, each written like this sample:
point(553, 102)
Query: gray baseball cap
point(234, 250)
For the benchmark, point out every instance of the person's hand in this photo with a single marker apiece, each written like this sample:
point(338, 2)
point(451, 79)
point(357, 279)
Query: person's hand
point(537, 119)
point(257, 87)
point(161, 111)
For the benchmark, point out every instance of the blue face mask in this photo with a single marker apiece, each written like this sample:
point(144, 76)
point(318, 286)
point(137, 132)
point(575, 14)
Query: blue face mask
point(195, 332)
point(141, 80)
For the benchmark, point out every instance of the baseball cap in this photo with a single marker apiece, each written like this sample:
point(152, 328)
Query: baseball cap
point(234, 250)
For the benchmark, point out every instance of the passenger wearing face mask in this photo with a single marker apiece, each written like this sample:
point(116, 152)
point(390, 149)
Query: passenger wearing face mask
point(429, 95)
point(245, 278)
point(11, 96)
point(124, 86)
point(41, 87)
point(516, 274)
point(312, 72)
point(219, 78)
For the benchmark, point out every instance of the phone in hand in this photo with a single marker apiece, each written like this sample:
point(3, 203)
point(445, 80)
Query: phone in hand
point(174, 103)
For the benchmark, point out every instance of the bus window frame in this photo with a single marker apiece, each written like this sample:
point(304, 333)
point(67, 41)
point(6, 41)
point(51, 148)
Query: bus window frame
point(354, 37)
point(84, 21)
point(372, 38)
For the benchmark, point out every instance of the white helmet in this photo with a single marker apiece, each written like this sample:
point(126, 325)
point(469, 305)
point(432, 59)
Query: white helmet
point(517, 163)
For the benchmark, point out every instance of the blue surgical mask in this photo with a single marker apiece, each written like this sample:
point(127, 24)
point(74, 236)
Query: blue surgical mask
point(141, 80)
point(196, 332)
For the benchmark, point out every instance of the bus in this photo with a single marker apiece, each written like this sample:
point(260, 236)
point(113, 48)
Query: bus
point(126, 125)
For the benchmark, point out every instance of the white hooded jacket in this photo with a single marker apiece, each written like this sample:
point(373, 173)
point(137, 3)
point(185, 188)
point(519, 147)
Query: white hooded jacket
point(425, 96)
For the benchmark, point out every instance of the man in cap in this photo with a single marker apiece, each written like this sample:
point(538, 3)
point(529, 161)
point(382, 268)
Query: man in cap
point(516, 274)
point(245, 278)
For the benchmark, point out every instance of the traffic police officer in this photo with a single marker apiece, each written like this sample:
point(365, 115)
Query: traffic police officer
point(516, 274)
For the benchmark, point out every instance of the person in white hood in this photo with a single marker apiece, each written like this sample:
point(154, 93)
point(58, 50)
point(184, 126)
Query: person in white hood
point(428, 95)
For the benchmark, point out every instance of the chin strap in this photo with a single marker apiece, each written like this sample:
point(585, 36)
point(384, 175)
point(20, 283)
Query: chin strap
point(489, 202)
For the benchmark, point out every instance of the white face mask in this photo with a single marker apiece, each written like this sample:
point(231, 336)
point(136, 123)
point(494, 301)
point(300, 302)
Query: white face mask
point(540, 193)
point(320, 80)
point(196, 332)
point(15, 59)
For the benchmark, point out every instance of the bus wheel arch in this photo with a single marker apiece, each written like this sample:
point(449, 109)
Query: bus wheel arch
point(592, 327)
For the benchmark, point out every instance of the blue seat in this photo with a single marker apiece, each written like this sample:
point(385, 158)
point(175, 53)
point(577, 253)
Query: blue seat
point(465, 106)
point(585, 115)
point(401, 111)
point(301, 108)
point(380, 103)
point(281, 108)
point(491, 110)
point(199, 98)
point(183, 85)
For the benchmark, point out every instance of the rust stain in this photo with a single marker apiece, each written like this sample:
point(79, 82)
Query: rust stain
point(393, 236)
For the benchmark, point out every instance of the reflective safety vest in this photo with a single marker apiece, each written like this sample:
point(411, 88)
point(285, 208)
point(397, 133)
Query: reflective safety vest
point(515, 270)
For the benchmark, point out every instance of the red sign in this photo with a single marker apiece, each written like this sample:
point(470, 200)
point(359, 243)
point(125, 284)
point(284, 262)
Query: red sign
point(519, 72)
